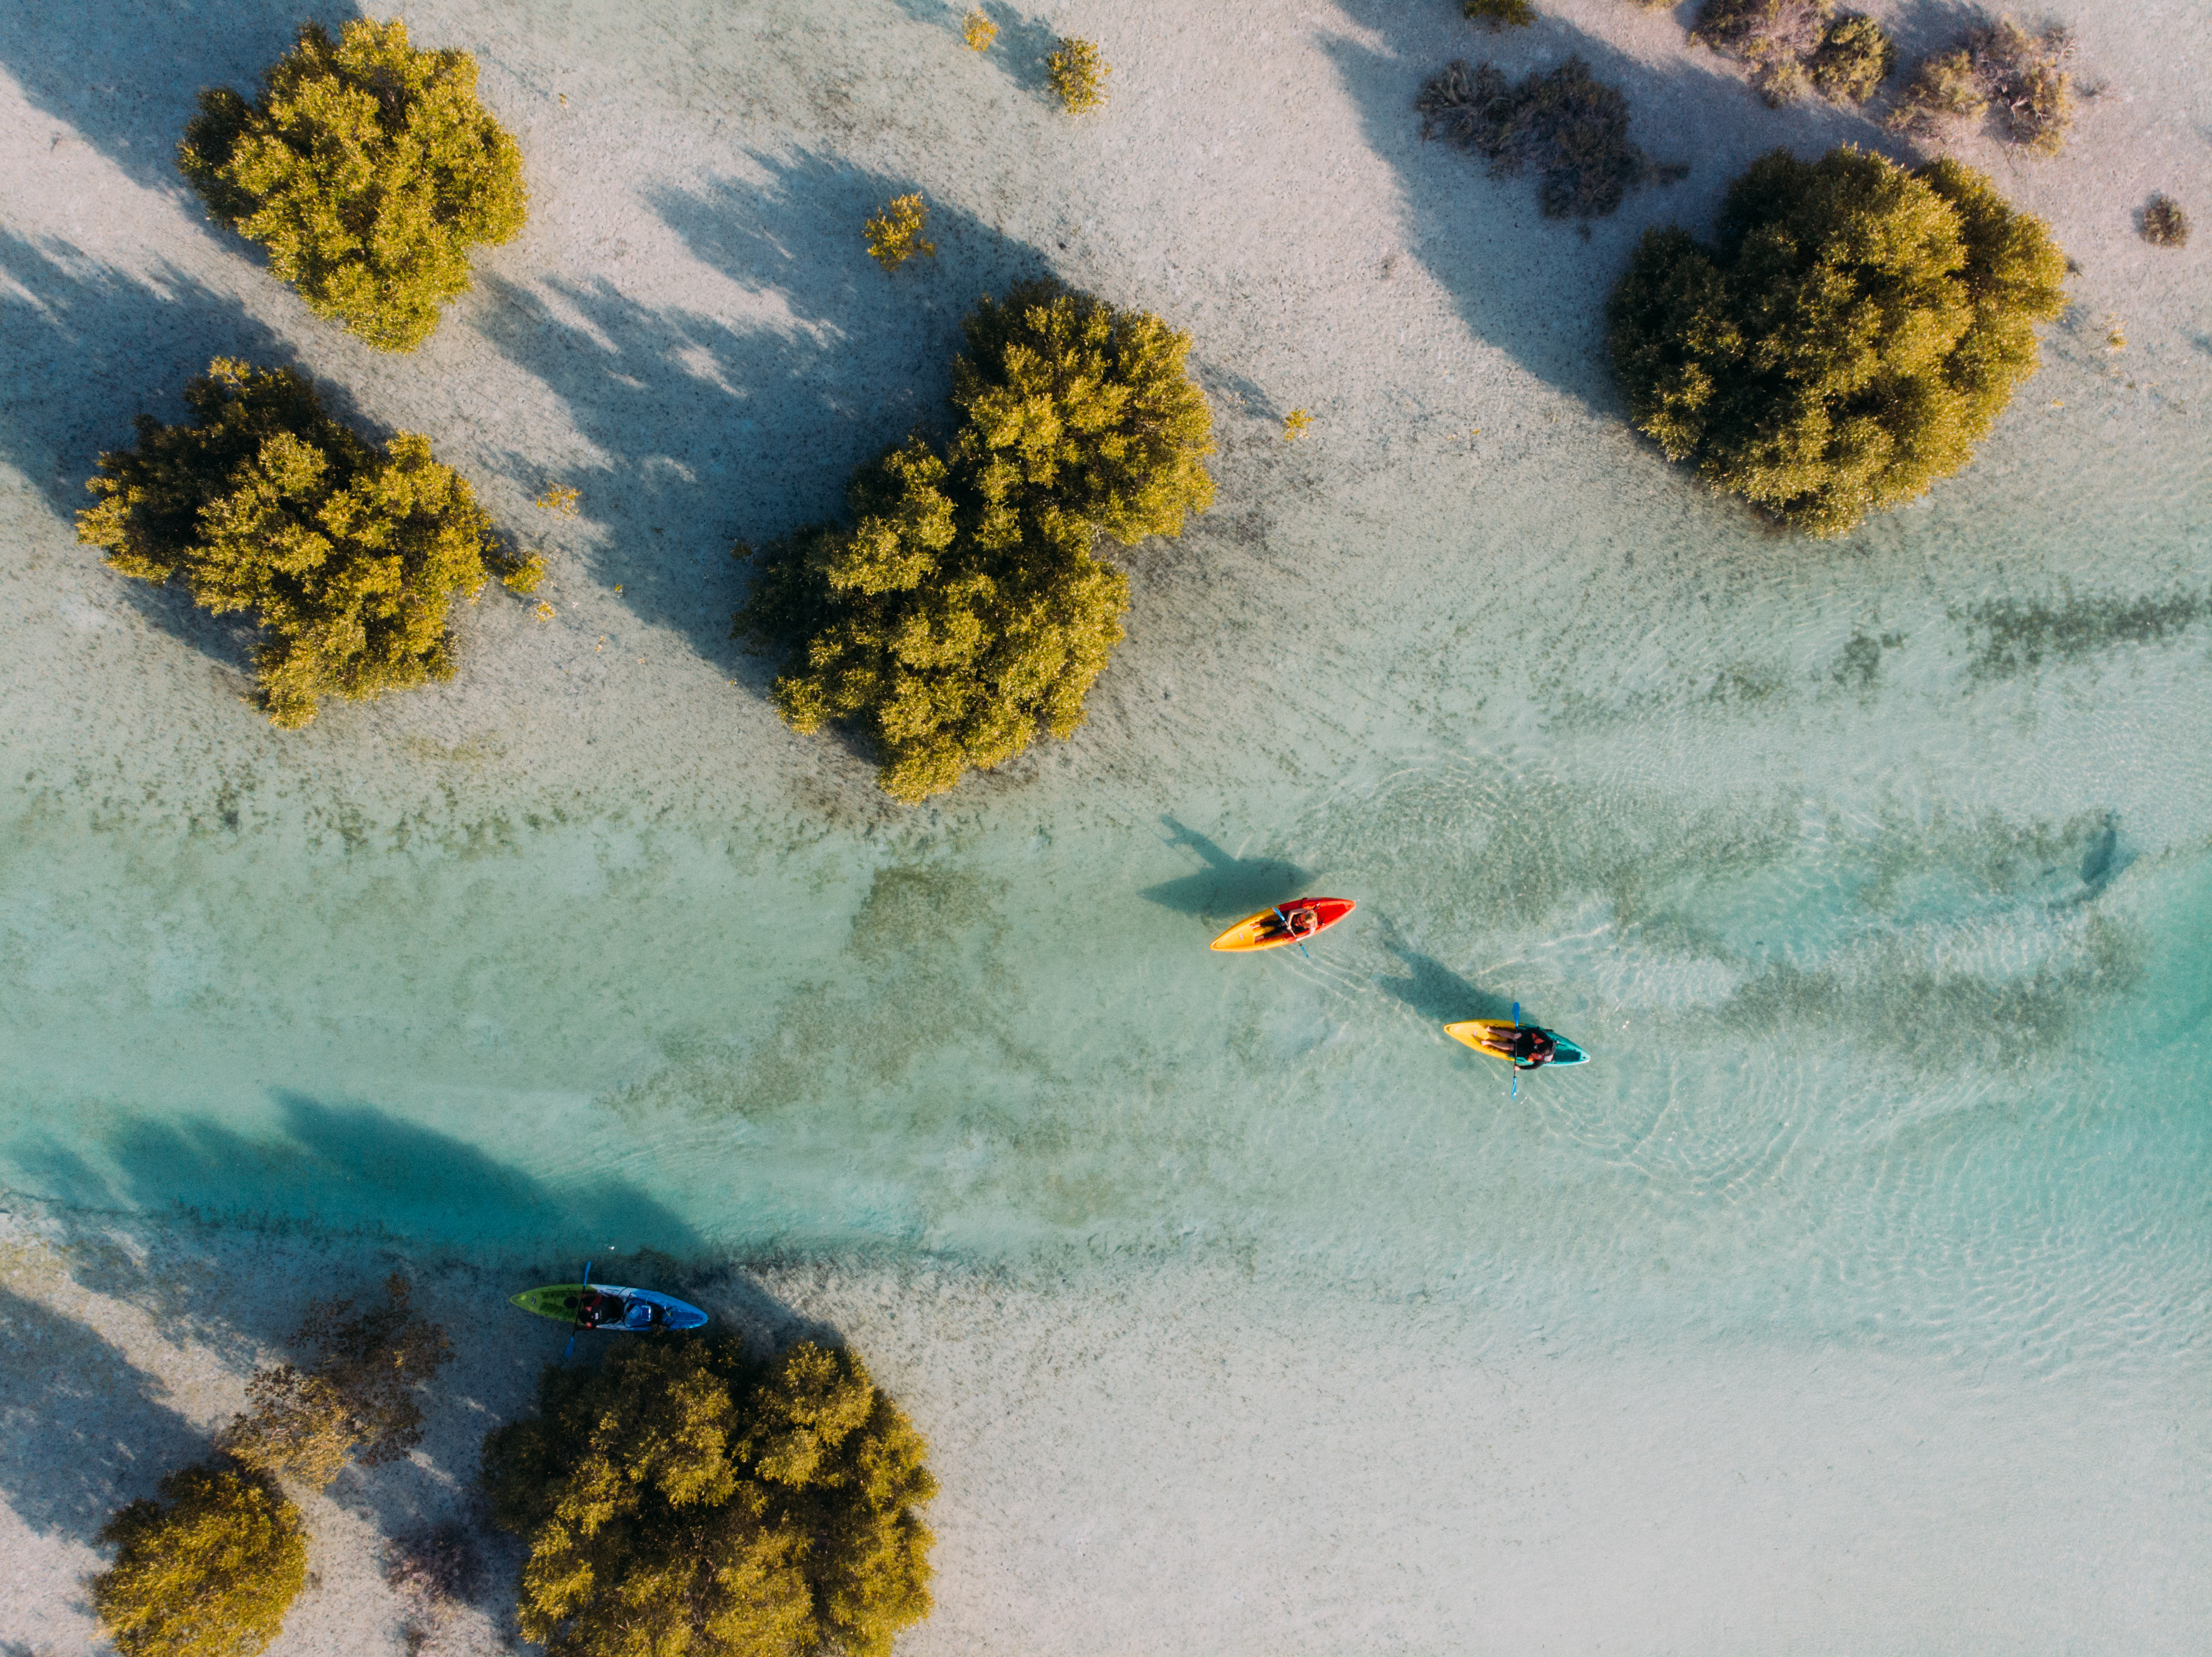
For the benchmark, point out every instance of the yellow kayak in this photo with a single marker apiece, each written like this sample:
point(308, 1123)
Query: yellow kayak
point(1269, 930)
point(1494, 1036)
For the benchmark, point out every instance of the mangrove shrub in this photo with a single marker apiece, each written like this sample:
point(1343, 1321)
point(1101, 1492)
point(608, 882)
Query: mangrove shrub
point(894, 233)
point(1077, 72)
point(2164, 223)
point(1789, 44)
point(1500, 13)
point(964, 607)
point(1568, 124)
point(347, 553)
point(1997, 69)
point(362, 1397)
point(210, 1575)
point(682, 1499)
point(1851, 333)
point(368, 170)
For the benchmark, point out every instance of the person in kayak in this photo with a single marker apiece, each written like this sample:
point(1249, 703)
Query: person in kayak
point(1300, 922)
point(1529, 1047)
point(597, 1311)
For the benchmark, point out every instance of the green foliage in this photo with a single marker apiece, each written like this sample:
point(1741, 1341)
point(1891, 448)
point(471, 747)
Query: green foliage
point(211, 1574)
point(368, 169)
point(2002, 68)
point(894, 233)
point(1854, 57)
point(1774, 38)
point(964, 607)
point(1789, 44)
point(1571, 126)
point(683, 1502)
point(362, 1395)
point(1853, 334)
point(347, 555)
point(1077, 72)
point(1500, 13)
point(2163, 223)
point(1944, 86)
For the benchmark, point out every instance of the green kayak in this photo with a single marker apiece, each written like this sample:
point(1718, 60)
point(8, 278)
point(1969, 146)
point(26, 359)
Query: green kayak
point(554, 1300)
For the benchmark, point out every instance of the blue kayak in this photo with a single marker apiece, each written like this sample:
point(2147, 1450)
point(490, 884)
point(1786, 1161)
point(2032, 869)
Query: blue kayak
point(642, 1310)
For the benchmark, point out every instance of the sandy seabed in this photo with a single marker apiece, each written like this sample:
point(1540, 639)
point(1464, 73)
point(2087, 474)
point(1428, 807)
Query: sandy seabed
point(1242, 1401)
point(1175, 1460)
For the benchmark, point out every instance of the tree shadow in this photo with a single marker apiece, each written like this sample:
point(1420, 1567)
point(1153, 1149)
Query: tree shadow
point(84, 347)
point(1225, 885)
point(340, 1170)
point(1431, 989)
point(83, 1429)
point(1531, 286)
point(716, 428)
point(1933, 26)
point(1019, 49)
point(344, 1182)
point(1023, 43)
point(126, 75)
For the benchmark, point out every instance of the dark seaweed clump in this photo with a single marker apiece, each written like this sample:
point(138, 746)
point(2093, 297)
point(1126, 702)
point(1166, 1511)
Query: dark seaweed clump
point(1568, 124)
point(2019, 639)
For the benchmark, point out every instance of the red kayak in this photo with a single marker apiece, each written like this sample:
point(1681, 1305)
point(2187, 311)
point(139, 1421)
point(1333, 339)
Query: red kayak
point(1295, 922)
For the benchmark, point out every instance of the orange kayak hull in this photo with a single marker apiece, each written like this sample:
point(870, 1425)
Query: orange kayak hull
point(1265, 930)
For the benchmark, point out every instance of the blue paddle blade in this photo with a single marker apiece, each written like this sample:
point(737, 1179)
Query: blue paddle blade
point(1517, 1012)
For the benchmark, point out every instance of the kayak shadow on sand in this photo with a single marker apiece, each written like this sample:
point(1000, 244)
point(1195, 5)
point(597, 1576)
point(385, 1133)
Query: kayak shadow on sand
point(1225, 887)
point(1431, 989)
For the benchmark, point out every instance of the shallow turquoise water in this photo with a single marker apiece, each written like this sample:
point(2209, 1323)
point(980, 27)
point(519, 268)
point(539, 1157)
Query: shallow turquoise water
point(1881, 1047)
point(1876, 875)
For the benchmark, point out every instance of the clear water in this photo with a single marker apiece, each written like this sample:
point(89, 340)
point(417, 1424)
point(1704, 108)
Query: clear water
point(1896, 990)
point(1876, 875)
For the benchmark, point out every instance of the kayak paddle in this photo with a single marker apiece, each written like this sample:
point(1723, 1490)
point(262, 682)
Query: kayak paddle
point(571, 1346)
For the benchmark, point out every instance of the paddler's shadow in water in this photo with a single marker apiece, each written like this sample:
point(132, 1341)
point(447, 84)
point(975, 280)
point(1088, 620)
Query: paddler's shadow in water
point(1431, 989)
point(1228, 888)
